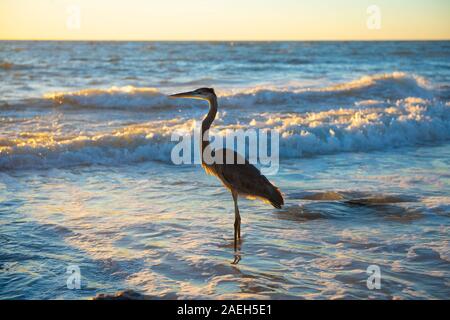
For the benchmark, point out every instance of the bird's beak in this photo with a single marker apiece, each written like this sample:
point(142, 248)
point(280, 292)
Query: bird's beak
point(186, 95)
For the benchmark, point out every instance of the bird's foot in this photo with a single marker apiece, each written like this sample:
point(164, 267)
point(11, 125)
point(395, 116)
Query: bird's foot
point(237, 258)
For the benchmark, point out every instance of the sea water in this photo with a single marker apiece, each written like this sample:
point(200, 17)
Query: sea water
point(86, 177)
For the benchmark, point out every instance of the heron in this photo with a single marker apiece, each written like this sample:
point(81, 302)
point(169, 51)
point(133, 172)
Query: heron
point(239, 176)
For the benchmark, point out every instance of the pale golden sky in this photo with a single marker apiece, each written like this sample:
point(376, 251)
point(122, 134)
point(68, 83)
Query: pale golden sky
point(223, 19)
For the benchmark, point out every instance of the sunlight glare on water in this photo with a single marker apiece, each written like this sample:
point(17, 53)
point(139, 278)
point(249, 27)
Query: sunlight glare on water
point(86, 177)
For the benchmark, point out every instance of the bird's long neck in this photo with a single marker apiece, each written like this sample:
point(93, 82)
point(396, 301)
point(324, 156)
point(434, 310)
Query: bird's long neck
point(206, 124)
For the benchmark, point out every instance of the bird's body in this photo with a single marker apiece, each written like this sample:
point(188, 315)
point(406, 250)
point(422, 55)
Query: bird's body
point(243, 178)
point(234, 171)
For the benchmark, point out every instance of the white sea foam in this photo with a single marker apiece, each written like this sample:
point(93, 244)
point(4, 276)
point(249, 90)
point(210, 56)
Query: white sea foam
point(114, 97)
point(376, 88)
point(364, 91)
point(407, 121)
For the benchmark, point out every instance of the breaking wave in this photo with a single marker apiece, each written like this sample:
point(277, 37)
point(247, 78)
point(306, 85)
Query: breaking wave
point(115, 97)
point(391, 87)
point(371, 122)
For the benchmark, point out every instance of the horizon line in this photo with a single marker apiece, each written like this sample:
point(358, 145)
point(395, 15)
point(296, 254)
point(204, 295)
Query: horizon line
point(230, 40)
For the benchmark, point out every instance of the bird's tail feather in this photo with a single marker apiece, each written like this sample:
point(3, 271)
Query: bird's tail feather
point(267, 192)
point(276, 198)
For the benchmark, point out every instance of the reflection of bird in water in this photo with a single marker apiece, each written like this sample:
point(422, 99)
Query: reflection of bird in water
point(238, 175)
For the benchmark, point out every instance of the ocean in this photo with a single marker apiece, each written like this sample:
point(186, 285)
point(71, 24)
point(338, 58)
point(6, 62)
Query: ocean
point(87, 182)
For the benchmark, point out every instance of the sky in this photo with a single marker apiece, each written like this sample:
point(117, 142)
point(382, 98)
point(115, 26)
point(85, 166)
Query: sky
point(224, 19)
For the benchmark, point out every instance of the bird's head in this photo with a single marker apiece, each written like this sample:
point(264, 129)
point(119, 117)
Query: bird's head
point(201, 94)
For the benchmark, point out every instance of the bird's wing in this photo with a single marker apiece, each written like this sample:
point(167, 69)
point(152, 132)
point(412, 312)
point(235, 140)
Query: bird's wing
point(246, 179)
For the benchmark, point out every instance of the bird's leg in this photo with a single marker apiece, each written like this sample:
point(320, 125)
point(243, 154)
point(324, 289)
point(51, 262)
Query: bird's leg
point(239, 224)
point(237, 221)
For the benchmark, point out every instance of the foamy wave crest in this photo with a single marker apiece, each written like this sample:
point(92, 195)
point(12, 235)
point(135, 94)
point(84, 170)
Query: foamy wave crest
point(130, 144)
point(392, 86)
point(115, 97)
point(103, 149)
point(411, 121)
point(407, 122)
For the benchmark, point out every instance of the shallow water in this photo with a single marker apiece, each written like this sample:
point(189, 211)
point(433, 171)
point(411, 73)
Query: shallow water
point(86, 177)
